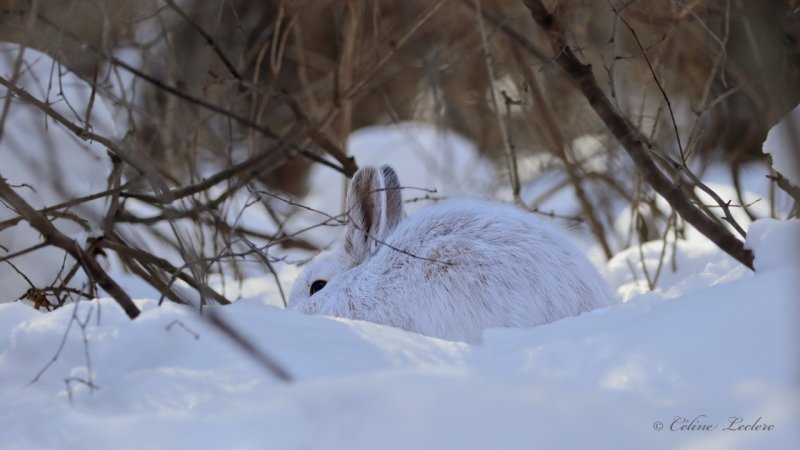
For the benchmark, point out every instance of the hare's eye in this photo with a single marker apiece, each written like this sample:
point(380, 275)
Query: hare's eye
point(317, 286)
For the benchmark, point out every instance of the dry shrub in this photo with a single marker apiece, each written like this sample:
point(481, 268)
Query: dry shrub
point(215, 81)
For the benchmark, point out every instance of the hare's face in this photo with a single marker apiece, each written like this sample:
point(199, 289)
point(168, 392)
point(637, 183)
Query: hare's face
point(316, 275)
point(374, 208)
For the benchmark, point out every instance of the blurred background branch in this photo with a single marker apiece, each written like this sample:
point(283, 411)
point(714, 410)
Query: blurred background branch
point(203, 160)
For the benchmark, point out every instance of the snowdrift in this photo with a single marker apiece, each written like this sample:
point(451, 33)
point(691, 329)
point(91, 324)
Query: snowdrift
point(626, 377)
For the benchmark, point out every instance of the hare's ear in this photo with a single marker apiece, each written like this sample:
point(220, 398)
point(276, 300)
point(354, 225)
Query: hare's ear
point(375, 207)
point(394, 200)
point(365, 207)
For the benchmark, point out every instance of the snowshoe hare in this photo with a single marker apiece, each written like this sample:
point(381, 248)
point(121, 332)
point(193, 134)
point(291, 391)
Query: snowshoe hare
point(449, 270)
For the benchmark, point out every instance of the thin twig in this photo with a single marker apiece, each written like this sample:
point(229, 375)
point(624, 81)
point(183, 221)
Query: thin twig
point(54, 237)
point(83, 132)
point(209, 40)
point(658, 83)
point(495, 102)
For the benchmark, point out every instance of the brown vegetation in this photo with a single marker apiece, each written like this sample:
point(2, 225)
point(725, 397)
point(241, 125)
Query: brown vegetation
point(260, 90)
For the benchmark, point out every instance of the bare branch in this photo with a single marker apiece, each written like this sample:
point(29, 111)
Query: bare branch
point(631, 139)
point(348, 162)
point(265, 360)
point(54, 237)
point(83, 132)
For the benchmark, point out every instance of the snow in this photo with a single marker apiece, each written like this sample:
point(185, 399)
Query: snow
point(600, 380)
point(776, 243)
point(698, 262)
point(783, 143)
point(711, 341)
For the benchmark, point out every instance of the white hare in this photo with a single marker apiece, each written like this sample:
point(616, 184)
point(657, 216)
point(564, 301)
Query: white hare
point(449, 270)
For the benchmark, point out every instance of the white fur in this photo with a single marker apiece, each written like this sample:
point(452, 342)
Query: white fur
point(453, 269)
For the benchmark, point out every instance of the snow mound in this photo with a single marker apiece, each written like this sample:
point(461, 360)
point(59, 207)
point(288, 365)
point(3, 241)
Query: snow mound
point(624, 377)
point(783, 143)
point(686, 267)
point(775, 243)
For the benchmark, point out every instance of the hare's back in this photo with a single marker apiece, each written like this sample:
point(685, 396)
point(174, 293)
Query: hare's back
point(491, 226)
point(476, 245)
